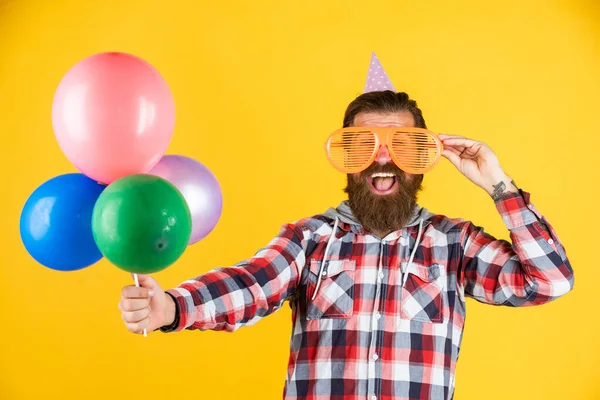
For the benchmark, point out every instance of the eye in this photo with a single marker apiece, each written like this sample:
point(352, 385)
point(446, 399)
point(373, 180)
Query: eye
point(349, 150)
point(362, 139)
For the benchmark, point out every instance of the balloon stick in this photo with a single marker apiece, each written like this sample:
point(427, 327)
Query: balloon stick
point(137, 283)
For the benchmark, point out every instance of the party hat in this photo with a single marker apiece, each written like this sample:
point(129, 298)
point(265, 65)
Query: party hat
point(377, 79)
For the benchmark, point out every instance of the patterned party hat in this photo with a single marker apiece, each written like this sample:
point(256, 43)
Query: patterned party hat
point(377, 79)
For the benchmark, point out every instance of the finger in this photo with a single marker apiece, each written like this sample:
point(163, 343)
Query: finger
point(147, 281)
point(133, 304)
point(135, 316)
point(459, 152)
point(460, 141)
point(456, 150)
point(138, 327)
point(444, 136)
point(452, 156)
point(136, 292)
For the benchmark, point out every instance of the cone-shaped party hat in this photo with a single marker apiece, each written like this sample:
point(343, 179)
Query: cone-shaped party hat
point(377, 79)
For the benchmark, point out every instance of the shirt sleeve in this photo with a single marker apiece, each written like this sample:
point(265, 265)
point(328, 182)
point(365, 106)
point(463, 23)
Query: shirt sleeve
point(232, 297)
point(532, 270)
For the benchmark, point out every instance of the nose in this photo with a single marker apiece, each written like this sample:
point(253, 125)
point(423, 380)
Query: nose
point(383, 155)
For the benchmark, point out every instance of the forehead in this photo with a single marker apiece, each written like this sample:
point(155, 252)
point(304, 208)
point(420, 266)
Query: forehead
point(402, 118)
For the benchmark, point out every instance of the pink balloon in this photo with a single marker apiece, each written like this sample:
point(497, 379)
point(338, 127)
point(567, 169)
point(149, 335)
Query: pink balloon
point(113, 115)
point(200, 189)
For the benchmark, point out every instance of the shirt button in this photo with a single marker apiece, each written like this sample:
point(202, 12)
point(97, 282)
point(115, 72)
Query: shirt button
point(381, 275)
point(373, 397)
point(375, 357)
point(324, 273)
point(377, 315)
point(550, 241)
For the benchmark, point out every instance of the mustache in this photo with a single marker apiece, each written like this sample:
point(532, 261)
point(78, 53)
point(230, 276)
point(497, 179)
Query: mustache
point(385, 168)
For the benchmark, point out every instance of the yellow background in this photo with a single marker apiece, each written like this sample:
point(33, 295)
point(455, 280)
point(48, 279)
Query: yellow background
point(258, 86)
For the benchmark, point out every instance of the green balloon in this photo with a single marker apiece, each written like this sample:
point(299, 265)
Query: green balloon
point(141, 223)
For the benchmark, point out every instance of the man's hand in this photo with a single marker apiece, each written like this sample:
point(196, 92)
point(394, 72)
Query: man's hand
point(146, 307)
point(478, 163)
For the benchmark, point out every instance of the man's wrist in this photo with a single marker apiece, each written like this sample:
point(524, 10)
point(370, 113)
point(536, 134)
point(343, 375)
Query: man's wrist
point(170, 311)
point(501, 187)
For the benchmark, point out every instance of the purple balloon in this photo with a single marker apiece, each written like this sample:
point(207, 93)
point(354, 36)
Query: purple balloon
point(198, 186)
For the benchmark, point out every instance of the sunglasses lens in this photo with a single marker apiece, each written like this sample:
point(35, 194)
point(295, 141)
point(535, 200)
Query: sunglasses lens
point(416, 152)
point(351, 150)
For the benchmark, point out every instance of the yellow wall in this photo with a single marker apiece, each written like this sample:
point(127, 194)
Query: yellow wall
point(258, 87)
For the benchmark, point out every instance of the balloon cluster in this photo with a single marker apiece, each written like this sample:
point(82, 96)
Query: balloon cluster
point(113, 116)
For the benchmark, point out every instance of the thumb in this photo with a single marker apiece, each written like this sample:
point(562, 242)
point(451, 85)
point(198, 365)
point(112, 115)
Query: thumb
point(452, 157)
point(147, 281)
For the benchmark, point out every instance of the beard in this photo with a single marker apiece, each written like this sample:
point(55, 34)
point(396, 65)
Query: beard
point(383, 213)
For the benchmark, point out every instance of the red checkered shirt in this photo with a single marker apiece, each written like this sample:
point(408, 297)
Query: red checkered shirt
point(375, 318)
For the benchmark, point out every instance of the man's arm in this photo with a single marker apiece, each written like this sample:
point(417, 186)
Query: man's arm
point(532, 270)
point(229, 298)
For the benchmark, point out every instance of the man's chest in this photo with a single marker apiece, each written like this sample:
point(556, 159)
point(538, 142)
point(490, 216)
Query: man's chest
point(364, 276)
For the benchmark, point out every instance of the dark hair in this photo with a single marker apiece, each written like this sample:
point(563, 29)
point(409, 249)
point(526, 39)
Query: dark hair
point(383, 102)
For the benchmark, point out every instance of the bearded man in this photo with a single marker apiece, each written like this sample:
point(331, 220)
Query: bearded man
point(378, 284)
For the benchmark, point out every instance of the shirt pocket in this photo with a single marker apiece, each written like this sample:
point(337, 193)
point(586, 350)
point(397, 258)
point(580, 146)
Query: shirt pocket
point(423, 293)
point(335, 295)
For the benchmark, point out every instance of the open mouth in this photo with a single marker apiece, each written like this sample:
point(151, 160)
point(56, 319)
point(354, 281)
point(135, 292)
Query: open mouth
point(383, 183)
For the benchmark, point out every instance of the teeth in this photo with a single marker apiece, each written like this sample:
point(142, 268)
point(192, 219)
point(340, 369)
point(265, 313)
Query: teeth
point(383, 175)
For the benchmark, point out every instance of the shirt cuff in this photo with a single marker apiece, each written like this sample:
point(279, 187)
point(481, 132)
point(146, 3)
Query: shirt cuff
point(187, 312)
point(517, 211)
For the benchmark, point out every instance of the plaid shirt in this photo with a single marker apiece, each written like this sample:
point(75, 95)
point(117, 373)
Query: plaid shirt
point(374, 318)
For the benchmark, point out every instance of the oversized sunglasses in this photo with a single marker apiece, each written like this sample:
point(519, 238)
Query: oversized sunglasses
point(413, 150)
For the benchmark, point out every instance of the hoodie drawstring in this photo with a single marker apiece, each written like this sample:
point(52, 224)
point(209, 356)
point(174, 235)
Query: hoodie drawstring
point(412, 254)
point(321, 268)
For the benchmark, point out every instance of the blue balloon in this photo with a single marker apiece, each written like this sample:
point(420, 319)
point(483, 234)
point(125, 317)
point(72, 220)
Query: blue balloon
point(56, 222)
